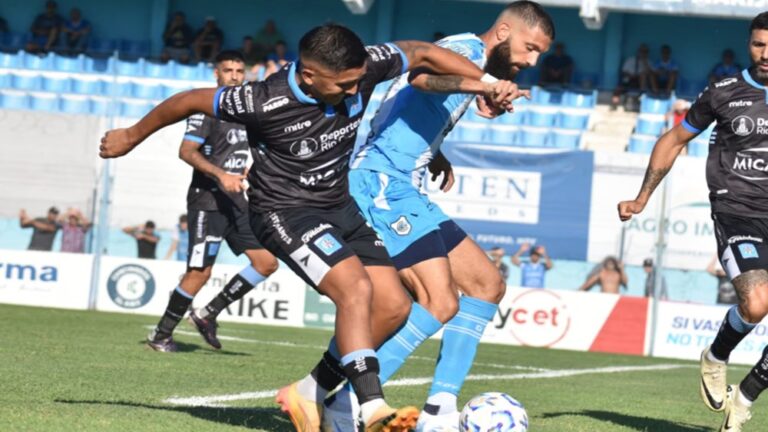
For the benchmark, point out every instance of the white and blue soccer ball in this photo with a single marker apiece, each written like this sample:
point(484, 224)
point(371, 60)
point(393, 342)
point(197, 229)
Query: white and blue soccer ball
point(493, 412)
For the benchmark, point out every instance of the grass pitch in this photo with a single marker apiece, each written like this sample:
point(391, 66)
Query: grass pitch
point(90, 371)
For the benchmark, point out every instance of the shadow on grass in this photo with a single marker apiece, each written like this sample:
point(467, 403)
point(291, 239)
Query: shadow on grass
point(270, 419)
point(188, 347)
point(642, 424)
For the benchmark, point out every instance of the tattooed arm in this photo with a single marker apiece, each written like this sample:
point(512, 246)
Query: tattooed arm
point(665, 152)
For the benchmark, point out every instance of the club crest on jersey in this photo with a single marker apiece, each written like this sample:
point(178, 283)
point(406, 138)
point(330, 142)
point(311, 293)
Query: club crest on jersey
point(401, 226)
point(304, 148)
point(235, 136)
point(748, 250)
point(742, 125)
point(327, 244)
point(354, 105)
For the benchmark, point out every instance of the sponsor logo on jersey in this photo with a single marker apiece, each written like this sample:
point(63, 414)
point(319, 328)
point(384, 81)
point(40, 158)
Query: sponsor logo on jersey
point(237, 162)
point(748, 250)
point(739, 104)
point(331, 139)
point(274, 103)
point(235, 136)
point(327, 244)
point(725, 82)
point(743, 126)
point(278, 226)
point(297, 126)
point(238, 101)
point(248, 93)
point(401, 226)
point(307, 236)
point(304, 148)
point(354, 105)
point(131, 286)
point(739, 238)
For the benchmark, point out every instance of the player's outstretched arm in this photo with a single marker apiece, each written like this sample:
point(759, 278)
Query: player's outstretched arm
point(119, 142)
point(440, 61)
point(665, 152)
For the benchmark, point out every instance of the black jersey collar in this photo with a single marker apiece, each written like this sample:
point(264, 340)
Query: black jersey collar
point(297, 92)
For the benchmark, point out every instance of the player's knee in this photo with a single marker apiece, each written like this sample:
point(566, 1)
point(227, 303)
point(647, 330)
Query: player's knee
point(266, 267)
point(443, 308)
point(490, 288)
point(355, 295)
point(394, 311)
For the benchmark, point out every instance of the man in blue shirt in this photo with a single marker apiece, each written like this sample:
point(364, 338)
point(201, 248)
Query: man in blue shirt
point(727, 67)
point(532, 271)
point(665, 72)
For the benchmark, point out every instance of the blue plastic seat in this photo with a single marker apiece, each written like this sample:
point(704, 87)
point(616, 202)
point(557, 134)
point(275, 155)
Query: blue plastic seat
point(101, 106)
point(565, 139)
point(147, 91)
point(134, 108)
point(101, 47)
point(37, 63)
point(505, 135)
point(472, 132)
point(698, 148)
point(12, 60)
point(98, 65)
point(649, 126)
point(580, 99)
point(119, 88)
point(204, 72)
point(573, 120)
point(75, 104)
point(517, 118)
point(134, 49)
point(5, 81)
point(90, 85)
point(641, 144)
point(652, 105)
point(69, 64)
point(533, 137)
point(171, 89)
point(157, 70)
point(185, 72)
point(26, 81)
point(541, 117)
point(13, 41)
point(14, 99)
point(544, 96)
point(586, 80)
point(44, 101)
point(57, 84)
point(129, 68)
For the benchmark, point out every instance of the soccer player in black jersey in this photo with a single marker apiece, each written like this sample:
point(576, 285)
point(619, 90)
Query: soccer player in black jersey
point(737, 175)
point(217, 210)
point(301, 125)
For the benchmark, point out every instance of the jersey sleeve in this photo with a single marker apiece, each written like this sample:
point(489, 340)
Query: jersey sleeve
point(386, 61)
point(469, 48)
point(198, 128)
point(238, 104)
point(701, 114)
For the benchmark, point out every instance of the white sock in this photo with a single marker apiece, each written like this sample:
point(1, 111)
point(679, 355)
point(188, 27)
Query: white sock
point(711, 357)
point(743, 399)
point(445, 401)
point(309, 388)
point(368, 409)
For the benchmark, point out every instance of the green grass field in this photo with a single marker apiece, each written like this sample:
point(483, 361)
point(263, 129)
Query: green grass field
point(88, 371)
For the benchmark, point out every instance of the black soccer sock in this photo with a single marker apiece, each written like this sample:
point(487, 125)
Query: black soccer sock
point(732, 331)
point(174, 312)
point(235, 289)
point(757, 379)
point(328, 372)
point(363, 373)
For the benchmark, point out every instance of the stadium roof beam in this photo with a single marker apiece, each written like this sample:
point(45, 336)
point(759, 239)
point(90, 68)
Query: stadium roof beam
point(358, 7)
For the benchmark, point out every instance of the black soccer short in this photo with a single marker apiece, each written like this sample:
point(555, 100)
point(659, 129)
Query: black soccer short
point(741, 243)
point(207, 229)
point(311, 241)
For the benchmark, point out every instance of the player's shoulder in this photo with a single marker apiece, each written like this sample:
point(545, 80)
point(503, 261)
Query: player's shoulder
point(465, 44)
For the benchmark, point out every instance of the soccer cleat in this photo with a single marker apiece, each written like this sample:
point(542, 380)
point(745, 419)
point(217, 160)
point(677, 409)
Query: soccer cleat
point(304, 413)
point(388, 419)
point(712, 385)
point(341, 416)
point(207, 329)
point(161, 345)
point(736, 414)
point(438, 423)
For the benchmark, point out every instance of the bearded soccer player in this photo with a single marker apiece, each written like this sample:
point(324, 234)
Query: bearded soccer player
point(301, 124)
point(739, 196)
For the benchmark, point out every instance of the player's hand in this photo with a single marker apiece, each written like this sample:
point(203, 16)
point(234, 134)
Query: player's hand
point(232, 183)
point(629, 208)
point(525, 247)
point(116, 143)
point(22, 214)
point(440, 165)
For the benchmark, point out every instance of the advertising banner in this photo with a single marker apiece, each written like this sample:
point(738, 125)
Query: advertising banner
point(144, 287)
point(505, 197)
point(49, 279)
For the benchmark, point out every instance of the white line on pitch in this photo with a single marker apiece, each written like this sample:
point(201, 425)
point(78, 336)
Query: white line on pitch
point(216, 401)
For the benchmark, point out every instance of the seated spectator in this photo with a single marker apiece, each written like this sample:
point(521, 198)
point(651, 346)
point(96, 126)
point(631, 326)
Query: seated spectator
point(650, 281)
point(177, 39)
point(76, 32)
point(609, 275)
point(727, 67)
point(267, 38)
point(255, 69)
point(557, 68)
point(726, 292)
point(43, 229)
point(3, 26)
point(635, 75)
point(279, 58)
point(497, 257)
point(180, 240)
point(73, 229)
point(146, 239)
point(45, 29)
point(208, 41)
point(665, 72)
point(533, 270)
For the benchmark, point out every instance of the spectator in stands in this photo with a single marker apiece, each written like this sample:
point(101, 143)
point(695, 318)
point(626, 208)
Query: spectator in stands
point(437, 36)
point(177, 38)
point(650, 281)
point(74, 226)
point(146, 239)
point(43, 229)
point(208, 41)
point(532, 271)
point(267, 38)
point(279, 58)
point(609, 275)
point(180, 240)
point(45, 29)
point(665, 72)
point(76, 32)
point(635, 75)
point(255, 69)
point(497, 256)
point(727, 67)
point(557, 68)
point(726, 293)
point(3, 26)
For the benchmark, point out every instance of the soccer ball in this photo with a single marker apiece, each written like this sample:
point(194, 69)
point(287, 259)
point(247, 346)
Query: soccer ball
point(493, 412)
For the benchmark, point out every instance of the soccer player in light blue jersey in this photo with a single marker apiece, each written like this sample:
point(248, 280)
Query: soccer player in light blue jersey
point(434, 256)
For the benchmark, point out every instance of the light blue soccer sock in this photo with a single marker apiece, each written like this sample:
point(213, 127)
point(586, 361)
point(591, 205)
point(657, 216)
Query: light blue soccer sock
point(420, 326)
point(457, 352)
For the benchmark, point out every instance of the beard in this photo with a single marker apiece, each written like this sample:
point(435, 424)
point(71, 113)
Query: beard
point(761, 75)
point(499, 62)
